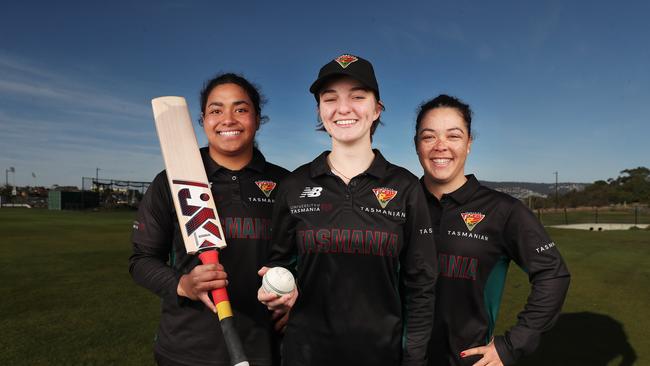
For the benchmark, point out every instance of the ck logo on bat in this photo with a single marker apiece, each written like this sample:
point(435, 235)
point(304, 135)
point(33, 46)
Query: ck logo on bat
point(202, 225)
point(472, 219)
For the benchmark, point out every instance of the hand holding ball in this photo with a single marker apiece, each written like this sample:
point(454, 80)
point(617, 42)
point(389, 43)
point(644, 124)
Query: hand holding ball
point(279, 281)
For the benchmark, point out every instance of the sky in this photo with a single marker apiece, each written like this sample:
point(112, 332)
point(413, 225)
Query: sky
point(555, 86)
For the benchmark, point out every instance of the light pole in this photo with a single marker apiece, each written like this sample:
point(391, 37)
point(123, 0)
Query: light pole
point(556, 198)
point(14, 192)
point(7, 171)
point(97, 178)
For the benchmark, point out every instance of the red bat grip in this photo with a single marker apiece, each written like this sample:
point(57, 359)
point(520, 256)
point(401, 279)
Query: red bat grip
point(224, 311)
point(212, 257)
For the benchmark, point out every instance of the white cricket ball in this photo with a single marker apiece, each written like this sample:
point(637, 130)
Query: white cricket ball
point(278, 280)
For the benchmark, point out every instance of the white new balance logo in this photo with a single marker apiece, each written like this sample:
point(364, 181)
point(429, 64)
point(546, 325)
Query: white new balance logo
point(311, 192)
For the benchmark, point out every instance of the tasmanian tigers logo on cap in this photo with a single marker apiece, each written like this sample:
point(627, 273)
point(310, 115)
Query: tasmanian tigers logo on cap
point(266, 186)
point(345, 60)
point(472, 219)
point(384, 195)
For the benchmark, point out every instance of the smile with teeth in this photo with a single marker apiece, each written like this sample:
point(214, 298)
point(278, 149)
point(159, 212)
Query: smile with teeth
point(345, 122)
point(229, 133)
point(441, 161)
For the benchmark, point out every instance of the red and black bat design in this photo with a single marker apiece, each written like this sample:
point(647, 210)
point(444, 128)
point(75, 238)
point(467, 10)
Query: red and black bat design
point(195, 208)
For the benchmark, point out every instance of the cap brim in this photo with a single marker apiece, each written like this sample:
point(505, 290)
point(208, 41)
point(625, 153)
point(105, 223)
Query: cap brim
point(318, 84)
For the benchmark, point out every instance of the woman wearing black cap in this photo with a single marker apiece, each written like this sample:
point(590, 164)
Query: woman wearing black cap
point(478, 232)
point(357, 232)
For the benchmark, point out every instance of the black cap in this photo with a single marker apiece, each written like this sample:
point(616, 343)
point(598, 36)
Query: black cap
point(349, 65)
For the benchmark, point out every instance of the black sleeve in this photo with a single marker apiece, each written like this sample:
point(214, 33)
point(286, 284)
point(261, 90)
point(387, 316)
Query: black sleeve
point(148, 268)
point(283, 246)
point(533, 250)
point(418, 274)
point(152, 241)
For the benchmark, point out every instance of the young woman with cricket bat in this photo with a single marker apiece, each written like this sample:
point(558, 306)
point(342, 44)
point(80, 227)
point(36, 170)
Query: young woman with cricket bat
point(243, 184)
point(356, 230)
point(478, 231)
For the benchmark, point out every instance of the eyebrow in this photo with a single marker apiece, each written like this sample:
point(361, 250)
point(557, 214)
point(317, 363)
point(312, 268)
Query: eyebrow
point(449, 129)
point(219, 104)
point(356, 88)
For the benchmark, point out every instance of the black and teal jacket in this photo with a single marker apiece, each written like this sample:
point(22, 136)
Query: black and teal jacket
point(365, 264)
point(478, 231)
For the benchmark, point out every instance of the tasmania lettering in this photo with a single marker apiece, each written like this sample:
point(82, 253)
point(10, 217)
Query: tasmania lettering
point(246, 228)
point(465, 234)
point(383, 212)
point(458, 267)
point(545, 247)
point(348, 241)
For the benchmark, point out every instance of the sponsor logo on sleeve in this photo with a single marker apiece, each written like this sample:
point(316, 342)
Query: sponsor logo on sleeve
point(384, 195)
point(472, 219)
point(266, 186)
point(545, 247)
point(426, 230)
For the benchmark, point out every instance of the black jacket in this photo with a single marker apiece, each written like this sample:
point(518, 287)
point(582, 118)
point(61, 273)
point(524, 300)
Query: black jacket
point(189, 333)
point(365, 262)
point(478, 232)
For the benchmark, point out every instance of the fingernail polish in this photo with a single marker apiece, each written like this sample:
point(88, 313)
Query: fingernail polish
point(462, 354)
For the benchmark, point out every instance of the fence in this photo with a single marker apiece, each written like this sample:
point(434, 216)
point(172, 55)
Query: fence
point(115, 193)
point(598, 215)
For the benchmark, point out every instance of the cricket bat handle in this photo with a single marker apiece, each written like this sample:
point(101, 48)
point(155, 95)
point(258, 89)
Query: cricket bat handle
point(224, 311)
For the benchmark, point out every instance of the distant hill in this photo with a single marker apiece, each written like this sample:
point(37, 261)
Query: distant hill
point(522, 190)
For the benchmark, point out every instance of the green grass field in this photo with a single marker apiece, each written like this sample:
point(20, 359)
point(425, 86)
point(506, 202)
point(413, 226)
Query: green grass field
point(67, 297)
point(609, 285)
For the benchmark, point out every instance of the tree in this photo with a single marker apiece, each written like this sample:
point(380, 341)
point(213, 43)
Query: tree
point(635, 184)
point(632, 185)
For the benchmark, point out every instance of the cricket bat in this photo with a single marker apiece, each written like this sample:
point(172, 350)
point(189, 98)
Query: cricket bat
point(197, 214)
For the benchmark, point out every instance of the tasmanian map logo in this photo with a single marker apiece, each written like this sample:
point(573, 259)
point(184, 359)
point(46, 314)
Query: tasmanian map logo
point(346, 60)
point(472, 219)
point(384, 195)
point(266, 186)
